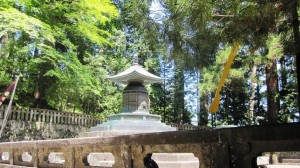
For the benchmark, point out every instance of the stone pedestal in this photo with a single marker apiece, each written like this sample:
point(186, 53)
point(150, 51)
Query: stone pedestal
point(135, 117)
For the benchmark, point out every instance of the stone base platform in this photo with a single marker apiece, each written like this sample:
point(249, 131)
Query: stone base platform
point(127, 124)
point(135, 126)
point(134, 116)
point(125, 128)
point(106, 134)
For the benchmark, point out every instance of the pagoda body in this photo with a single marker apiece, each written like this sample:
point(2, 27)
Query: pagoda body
point(135, 116)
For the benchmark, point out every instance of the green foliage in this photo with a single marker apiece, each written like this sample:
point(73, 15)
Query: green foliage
point(275, 49)
point(14, 21)
point(55, 46)
point(65, 49)
point(196, 30)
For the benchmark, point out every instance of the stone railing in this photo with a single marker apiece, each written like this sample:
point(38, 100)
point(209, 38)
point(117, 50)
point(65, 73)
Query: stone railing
point(49, 116)
point(216, 148)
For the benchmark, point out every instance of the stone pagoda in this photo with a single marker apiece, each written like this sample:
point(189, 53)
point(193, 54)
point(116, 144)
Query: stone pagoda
point(135, 117)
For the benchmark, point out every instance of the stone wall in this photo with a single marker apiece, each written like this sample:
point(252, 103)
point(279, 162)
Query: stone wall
point(27, 130)
point(41, 124)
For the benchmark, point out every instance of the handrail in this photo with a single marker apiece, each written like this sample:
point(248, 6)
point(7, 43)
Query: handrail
point(49, 116)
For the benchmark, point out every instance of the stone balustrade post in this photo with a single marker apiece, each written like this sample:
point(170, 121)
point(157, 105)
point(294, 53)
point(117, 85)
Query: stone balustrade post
point(58, 118)
point(75, 119)
point(11, 116)
point(39, 115)
point(80, 120)
point(88, 119)
point(43, 116)
point(69, 117)
point(51, 115)
point(30, 115)
point(126, 156)
point(35, 160)
point(18, 113)
point(11, 156)
point(23, 114)
point(85, 120)
point(55, 118)
point(47, 116)
point(61, 115)
point(69, 155)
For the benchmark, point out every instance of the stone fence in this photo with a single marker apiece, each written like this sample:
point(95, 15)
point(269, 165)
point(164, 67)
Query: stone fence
point(49, 116)
point(215, 148)
point(57, 117)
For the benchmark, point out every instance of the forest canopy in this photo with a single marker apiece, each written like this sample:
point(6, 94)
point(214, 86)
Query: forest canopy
point(64, 49)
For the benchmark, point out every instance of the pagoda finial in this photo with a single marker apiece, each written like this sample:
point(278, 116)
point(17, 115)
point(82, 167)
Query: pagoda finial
point(136, 59)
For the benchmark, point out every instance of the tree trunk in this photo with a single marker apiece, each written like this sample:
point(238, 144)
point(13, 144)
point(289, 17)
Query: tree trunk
point(165, 103)
point(227, 117)
point(295, 25)
point(252, 94)
point(203, 114)
point(272, 91)
point(178, 94)
point(203, 106)
point(284, 91)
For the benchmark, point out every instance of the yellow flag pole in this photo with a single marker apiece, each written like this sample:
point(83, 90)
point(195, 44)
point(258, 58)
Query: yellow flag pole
point(214, 106)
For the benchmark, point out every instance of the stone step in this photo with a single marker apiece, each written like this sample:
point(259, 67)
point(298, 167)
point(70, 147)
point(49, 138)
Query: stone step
point(12, 166)
point(284, 160)
point(174, 157)
point(181, 164)
point(282, 166)
point(105, 164)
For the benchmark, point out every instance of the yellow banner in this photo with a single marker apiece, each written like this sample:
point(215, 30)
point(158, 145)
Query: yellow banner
point(214, 106)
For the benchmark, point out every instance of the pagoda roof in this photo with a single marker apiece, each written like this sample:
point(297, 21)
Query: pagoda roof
point(135, 73)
